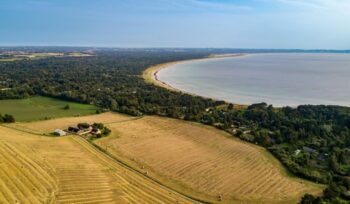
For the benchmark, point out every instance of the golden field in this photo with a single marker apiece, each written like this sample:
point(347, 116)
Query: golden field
point(38, 169)
point(204, 162)
point(195, 160)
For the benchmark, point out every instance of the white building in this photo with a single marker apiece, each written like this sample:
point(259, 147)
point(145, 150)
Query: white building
point(59, 132)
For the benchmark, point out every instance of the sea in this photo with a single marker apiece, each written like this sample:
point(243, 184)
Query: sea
point(280, 79)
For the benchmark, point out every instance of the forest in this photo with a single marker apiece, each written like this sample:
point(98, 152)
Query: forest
point(313, 142)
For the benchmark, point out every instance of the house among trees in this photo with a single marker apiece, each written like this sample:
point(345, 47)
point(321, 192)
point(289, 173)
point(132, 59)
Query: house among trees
point(80, 129)
point(73, 130)
point(95, 130)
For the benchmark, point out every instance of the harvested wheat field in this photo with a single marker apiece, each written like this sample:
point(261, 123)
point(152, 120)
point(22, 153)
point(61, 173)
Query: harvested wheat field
point(203, 162)
point(38, 169)
point(195, 160)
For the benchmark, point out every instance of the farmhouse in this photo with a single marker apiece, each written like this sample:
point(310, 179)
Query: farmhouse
point(80, 130)
point(73, 130)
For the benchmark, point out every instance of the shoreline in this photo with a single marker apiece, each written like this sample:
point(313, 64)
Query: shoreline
point(150, 74)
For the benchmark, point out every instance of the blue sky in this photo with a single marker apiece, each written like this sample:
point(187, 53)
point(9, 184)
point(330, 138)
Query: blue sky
point(305, 24)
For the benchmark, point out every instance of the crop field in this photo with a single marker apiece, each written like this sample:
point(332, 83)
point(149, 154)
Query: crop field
point(204, 162)
point(41, 108)
point(37, 169)
point(194, 160)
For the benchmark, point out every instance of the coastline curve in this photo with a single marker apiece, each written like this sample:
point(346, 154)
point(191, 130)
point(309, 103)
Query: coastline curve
point(150, 74)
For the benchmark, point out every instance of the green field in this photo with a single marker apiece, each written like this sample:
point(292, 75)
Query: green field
point(41, 108)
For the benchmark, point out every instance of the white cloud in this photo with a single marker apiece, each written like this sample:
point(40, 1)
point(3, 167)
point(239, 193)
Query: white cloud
point(339, 5)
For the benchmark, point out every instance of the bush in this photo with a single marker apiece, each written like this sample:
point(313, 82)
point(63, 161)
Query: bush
point(106, 131)
point(7, 119)
point(99, 126)
point(307, 199)
point(83, 125)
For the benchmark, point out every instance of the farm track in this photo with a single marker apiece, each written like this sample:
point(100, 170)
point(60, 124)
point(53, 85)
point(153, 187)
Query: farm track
point(75, 172)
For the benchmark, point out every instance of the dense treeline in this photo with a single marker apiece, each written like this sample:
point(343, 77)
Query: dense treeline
point(311, 141)
point(110, 80)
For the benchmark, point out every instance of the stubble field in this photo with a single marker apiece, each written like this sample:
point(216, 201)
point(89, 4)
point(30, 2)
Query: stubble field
point(197, 160)
point(204, 162)
point(38, 169)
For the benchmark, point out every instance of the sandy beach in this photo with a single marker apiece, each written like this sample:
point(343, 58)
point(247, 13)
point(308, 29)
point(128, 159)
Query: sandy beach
point(150, 74)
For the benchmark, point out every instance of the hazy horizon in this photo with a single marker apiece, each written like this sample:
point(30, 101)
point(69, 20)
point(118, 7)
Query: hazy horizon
point(250, 24)
point(177, 48)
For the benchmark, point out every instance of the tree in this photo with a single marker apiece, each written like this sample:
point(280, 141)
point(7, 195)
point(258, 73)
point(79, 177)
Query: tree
point(230, 106)
point(332, 191)
point(307, 199)
point(106, 131)
point(334, 165)
point(8, 118)
point(99, 126)
point(113, 105)
point(83, 125)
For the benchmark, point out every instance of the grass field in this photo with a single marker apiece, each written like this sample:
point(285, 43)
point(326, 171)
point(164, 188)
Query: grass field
point(196, 160)
point(37, 169)
point(40, 108)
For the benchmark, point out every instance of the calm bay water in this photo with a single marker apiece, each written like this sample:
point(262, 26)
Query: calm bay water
point(278, 79)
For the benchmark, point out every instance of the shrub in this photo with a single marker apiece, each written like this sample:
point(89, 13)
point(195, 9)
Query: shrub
point(83, 125)
point(7, 119)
